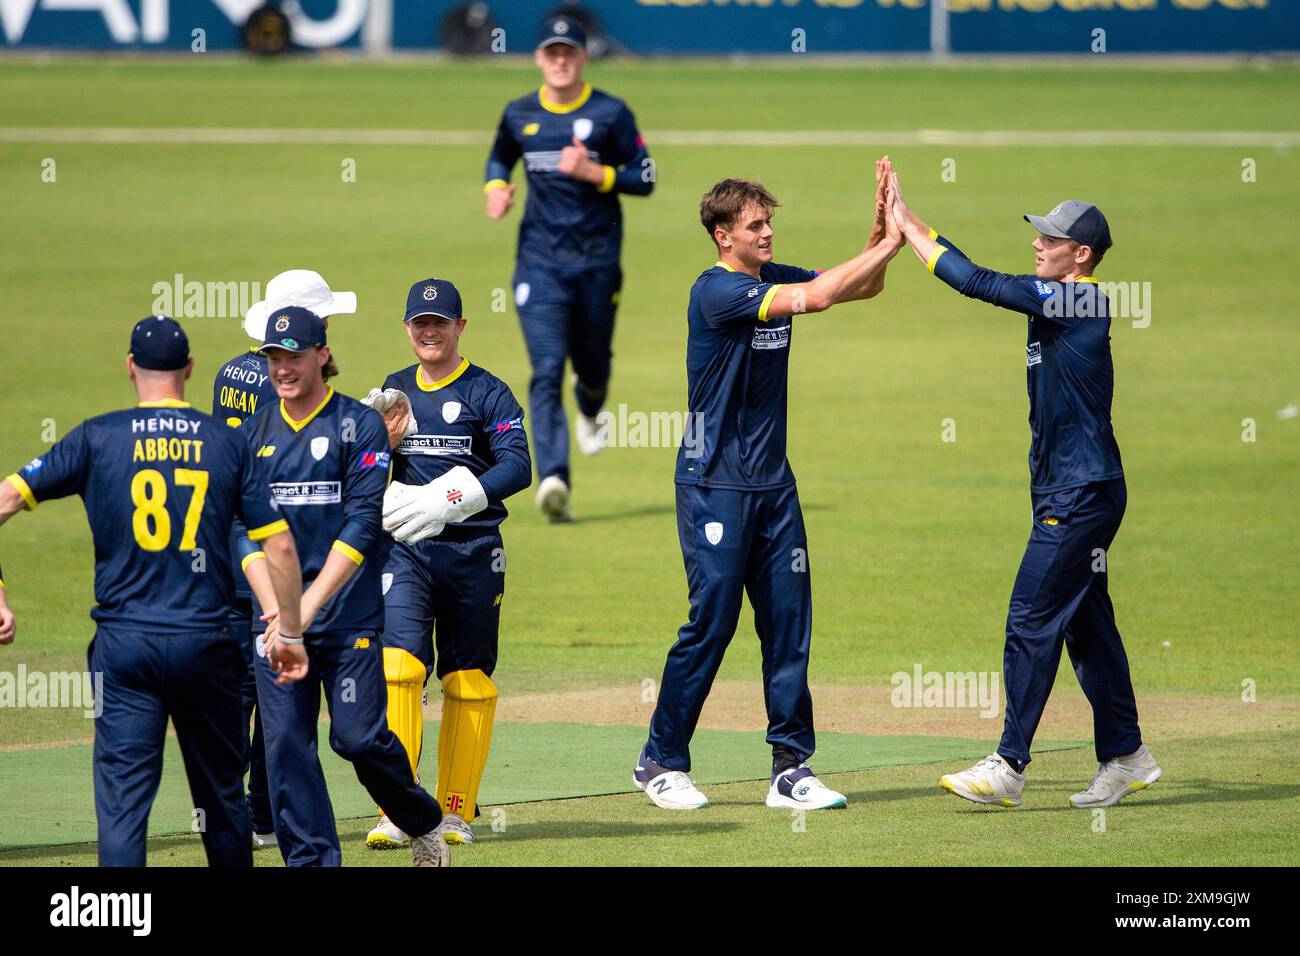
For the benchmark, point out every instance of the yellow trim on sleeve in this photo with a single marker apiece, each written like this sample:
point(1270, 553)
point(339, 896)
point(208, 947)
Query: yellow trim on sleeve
point(164, 403)
point(267, 530)
point(934, 233)
point(342, 547)
point(442, 382)
point(564, 107)
point(299, 426)
point(934, 258)
point(608, 184)
point(767, 301)
point(21, 486)
point(2, 585)
point(249, 559)
point(492, 184)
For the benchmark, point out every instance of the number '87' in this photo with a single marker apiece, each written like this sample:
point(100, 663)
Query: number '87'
point(149, 495)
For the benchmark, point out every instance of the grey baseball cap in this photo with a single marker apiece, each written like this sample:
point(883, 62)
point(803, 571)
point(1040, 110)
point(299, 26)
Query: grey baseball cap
point(1072, 219)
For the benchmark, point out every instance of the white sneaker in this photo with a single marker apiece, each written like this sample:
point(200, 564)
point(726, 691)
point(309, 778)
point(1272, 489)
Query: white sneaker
point(386, 836)
point(799, 789)
point(454, 829)
point(668, 789)
point(262, 841)
point(990, 781)
point(553, 499)
point(1117, 778)
point(589, 435)
point(430, 850)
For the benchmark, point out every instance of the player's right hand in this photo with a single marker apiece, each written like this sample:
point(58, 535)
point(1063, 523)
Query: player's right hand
point(8, 626)
point(288, 662)
point(500, 200)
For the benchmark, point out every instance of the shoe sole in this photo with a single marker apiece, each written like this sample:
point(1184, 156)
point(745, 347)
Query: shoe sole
point(782, 802)
point(1132, 787)
point(667, 806)
point(948, 786)
point(457, 838)
point(385, 843)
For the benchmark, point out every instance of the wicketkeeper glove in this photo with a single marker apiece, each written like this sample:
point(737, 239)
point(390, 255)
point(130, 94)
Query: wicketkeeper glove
point(415, 512)
point(384, 400)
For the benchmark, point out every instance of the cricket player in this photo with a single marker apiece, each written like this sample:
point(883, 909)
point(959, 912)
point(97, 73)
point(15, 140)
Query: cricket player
point(738, 517)
point(162, 484)
point(581, 149)
point(241, 385)
point(1077, 487)
point(461, 451)
point(325, 457)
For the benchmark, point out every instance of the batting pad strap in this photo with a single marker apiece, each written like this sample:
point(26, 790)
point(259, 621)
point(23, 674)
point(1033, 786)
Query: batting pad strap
point(250, 558)
point(342, 547)
point(268, 530)
point(492, 184)
point(608, 182)
point(21, 486)
point(767, 302)
point(934, 258)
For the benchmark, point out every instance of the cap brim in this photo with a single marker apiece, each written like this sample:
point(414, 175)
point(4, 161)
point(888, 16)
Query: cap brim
point(439, 315)
point(1045, 227)
point(341, 303)
point(568, 40)
point(282, 348)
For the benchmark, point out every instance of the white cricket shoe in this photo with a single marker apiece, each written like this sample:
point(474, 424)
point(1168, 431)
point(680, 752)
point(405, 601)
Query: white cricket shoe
point(430, 850)
point(387, 836)
point(590, 436)
point(1117, 778)
point(668, 789)
point(799, 789)
point(262, 841)
point(992, 780)
point(454, 829)
point(553, 499)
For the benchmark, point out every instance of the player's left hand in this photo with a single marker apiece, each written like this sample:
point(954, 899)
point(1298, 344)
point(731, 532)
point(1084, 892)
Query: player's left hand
point(902, 215)
point(8, 625)
point(288, 662)
point(414, 512)
point(575, 162)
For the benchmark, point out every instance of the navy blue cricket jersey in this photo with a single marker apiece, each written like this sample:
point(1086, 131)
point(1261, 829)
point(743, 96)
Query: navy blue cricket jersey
point(162, 484)
point(567, 222)
point(1069, 374)
point(241, 387)
point(737, 369)
point(469, 418)
point(327, 475)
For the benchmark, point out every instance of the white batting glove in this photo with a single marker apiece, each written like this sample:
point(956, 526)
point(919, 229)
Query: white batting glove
point(414, 512)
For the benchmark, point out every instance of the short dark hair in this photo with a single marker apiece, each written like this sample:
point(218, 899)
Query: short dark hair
point(329, 369)
point(726, 201)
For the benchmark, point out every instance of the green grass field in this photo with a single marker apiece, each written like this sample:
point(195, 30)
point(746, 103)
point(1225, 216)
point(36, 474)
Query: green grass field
point(914, 541)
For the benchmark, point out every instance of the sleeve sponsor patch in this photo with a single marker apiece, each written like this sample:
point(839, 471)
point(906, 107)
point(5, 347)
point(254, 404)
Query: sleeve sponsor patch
point(508, 425)
point(375, 459)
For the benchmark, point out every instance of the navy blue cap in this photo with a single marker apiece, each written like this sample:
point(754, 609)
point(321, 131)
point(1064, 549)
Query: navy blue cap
point(433, 297)
point(1073, 219)
point(159, 343)
point(293, 329)
point(562, 30)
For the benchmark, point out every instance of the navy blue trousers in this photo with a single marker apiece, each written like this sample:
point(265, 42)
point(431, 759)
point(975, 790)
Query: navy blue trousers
point(349, 667)
point(258, 795)
point(735, 543)
point(194, 679)
point(1060, 597)
point(442, 602)
point(565, 314)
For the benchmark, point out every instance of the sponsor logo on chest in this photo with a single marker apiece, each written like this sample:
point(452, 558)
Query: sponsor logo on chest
point(765, 338)
point(295, 493)
point(436, 445)
point(1033, 354)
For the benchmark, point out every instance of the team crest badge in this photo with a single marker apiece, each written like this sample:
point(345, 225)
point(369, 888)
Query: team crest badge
point(582, 128)
point(561, 27)
point(282, 324)
point(319, 446)
point(450, 411)
point(713, 532)
point(430, 293)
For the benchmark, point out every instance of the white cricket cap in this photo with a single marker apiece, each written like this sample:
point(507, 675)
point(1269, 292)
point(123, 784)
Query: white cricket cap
point(300, 287)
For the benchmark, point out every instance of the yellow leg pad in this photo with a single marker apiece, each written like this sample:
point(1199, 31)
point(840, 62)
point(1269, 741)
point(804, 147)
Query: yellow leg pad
point(405, 676)
point(469, 704)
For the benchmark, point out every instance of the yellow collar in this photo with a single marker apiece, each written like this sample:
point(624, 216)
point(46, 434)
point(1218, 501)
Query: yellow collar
point(165, 403)
point(564, 107)
point(299, 426)
point(442, 382)
point(724, 266)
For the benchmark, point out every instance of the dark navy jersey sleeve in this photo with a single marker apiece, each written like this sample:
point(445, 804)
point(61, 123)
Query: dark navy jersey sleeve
point(629, 158)
point(503, 422)
point(505, 153)
point(727, 297)
point(365, 478)
point(258, 517)
point(60, 472)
